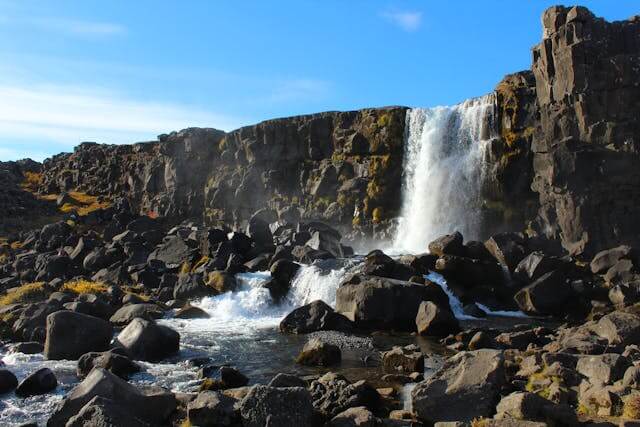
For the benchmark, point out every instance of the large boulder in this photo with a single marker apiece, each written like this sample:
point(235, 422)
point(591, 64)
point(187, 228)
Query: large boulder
point(403, 360)
point(606, 259)
point(274, 406)
point(41, 381)
point(173, 252)
point(8, 381)
point(619, 328)
point(535, 265)
point(127, 313)
point(192, 286)
point(449, 244)
point(603, 369)
point(469, 272)
point(211, 408)
point(333, 394)
point(146, 340)
point(153, 408)
point(375, 302)
point(315, 316)
point(547, 295)
point(103, 412)
point(507, 248)
point(467, 386)
point(354, 417)
point(318, 353)
point(112, 361)
point(70, 335)
point(435, 321)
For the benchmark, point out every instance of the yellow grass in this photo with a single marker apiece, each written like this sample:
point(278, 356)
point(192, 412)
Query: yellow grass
point(24, 293)
point(83, 204)
point(32, 181)
point(84, 287)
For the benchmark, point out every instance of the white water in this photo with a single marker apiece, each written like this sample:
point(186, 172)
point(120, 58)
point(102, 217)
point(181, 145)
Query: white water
point(443, 172)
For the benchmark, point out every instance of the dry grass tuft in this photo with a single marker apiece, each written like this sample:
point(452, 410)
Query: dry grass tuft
point(32, 181)
point(24, 293)
point(84, 287)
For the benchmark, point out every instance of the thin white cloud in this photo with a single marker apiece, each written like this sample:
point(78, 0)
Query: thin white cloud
point(299, 89)
point(78, 27)
point(407, 20)
point(65, 116)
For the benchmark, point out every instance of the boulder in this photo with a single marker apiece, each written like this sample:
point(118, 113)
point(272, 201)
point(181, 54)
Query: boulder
point(192, 286)
point(274, 406)
point(377, 263)
point(146, 340)
point(333, 394)
point(547, 295)
point(284, 270)
point(221, 282)
point(101, 411)
point(435, 321)
point(619, 328)
point(287, 380)
point(449, 244)
point(70, 335)
point(191, 312)
point(404, 360)
point(41, 381)
point(507, 248)
point(325, 239)
point(173, 252)
point(521, 406)
point(622, 272)
point(606, 259)
point(153, 408)
point(112, 361)
point(381, 303)
point(603, 369)
point(127, 313)
point(212, 408)
point(469, 272)
point(319, 353)
point(8, 381)
point(470, 376)
point(31, 347)
point(232, 378)
point(354, 417)
point(315, 316)
point(535, 265)
point(260, 232)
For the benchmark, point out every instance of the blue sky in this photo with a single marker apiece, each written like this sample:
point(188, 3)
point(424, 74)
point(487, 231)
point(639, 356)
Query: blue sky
point(124, 71)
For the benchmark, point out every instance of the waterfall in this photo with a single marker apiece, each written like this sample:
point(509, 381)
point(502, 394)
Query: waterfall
point(445, 152)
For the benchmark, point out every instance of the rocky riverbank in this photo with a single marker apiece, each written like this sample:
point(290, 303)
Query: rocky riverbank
point(210, 278)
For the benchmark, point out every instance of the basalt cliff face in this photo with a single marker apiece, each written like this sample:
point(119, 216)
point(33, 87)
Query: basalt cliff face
point(564, 162)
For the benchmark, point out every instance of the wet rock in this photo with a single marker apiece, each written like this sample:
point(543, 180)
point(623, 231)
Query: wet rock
point(127, 313)
point(473, 376)
point(469, 272)
point(474, 310)
point(276, 406)
point(153, 408)
point(260, 232)
point(547, 295)
point(221, 282)
point(287, 380)
point(212, 409)
point(602, 369)
point(435, 321)
point(100, 411)
point(232, 378)
point(315, 316)
point(354, 417)
point(606, 259)
point(28, 347)
point(319, 353)
point(325, 238)
point(8, 381)
point(41, 381)
point(192, 286)
point(284, 271)
point(380, 303)
point(403, 360)
point(191, 312)
point(70, 335)
point(377, 263)
point(333, 394)
point(112, 361)
point(450, 244)
point(146, 340)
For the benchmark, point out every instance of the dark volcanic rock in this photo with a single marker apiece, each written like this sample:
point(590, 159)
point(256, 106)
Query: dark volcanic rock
point(111, 361)
point(319, 353)
point(547, 295)
point(41, 381)
point(276, 406)
point(435, 321)
point(70, 335)
point(315, 316)
point(8, 381)
point(145, 340)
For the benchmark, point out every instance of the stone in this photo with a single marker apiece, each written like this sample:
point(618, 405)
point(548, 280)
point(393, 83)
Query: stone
point(449, 244)
point(39, 382)
point(619, 328)
point(173, 252)
point(621, 273)
point(319, 353)
point(507, 249)
point(546, 295)
point(100, 411)
point(381, 303)
point(112, 361)
point(403, 360)
point(8, 381)
point(192, 286)
point(333, 393)
point(287, 380)
point(153, 408)
point(312, 317)
point(69, 335)
point(232, 378)
point(276, 406)
point(221, 282)
point(602, 369)
point(125, 314)
point(470, 376)
point(469, 272)
point(521, 406)
point(606, 259)
point(354, 417)
point(32, 347)
point(434, 321)
point(212, 408)
point(146, 340)
point(284, 270)
point(631, 377)
point(535, 265)
point(191, 312)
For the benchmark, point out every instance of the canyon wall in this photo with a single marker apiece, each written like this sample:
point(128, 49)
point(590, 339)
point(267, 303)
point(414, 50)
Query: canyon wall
point(564, 162)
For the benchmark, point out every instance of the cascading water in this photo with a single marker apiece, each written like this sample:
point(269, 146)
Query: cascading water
point(443, 172)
